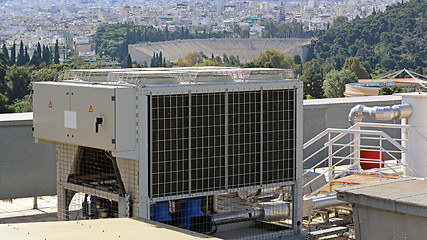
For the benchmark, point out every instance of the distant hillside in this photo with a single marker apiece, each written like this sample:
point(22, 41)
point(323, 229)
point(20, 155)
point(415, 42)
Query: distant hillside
point(394, 39)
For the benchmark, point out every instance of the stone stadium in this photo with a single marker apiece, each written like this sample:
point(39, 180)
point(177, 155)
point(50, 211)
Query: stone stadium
point(245, 49)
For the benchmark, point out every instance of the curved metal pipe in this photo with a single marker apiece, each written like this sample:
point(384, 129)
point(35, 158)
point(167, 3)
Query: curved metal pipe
point(358, 112)
point(327, 201)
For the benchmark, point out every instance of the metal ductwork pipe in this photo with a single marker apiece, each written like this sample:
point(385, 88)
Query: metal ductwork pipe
point(395, 112)
point(327, 201)
point(265, 211)
point(231, 217)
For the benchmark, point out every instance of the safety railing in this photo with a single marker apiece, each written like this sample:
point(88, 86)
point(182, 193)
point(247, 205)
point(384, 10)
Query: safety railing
point(344, 148)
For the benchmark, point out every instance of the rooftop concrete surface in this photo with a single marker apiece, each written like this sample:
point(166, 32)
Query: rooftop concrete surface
point(407, 196)
point(106, 229)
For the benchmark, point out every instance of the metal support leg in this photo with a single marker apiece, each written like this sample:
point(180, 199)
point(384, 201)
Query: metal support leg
point(35, 203)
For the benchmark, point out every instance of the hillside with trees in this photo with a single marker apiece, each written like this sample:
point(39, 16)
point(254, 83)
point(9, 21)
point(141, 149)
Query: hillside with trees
point(113, 39)
point(393, 39)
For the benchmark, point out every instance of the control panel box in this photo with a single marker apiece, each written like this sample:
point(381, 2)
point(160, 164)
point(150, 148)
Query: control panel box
point(98, 116)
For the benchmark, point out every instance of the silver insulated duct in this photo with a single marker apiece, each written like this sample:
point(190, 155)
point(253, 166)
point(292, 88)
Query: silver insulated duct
point(358, 112)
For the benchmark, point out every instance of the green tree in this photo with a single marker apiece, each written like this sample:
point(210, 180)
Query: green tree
point(26, 56)
point(12, 58)
point(3, 69)
point(18, 80)
point(23, 105)
point(273, 59)
point(297, 59)
point(386, 90)
point(340, 20)
point(4, 105)
point(396, 89)
point(46, 55)
point(190, 59)
point(128, 61)
point(153, 60)
point(39, 51)
point(312, 78)
point(35, 59)
point(225, 59)
point(159, 59)
point(389, 90)
point(20, 61)
point(56, 54)
point(144, 64)
point(335, 82)
point(5, 52)
point(44, 74)
point(353, 64)
point(166, 33)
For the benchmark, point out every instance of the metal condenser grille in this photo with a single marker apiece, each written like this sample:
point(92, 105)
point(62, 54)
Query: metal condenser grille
point(221, 141)
point(278, 136)
point(207, 142)
point(170, 144)
point(244, 145)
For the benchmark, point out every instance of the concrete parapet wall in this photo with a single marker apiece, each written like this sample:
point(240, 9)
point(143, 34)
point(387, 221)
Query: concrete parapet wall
point(26, 169)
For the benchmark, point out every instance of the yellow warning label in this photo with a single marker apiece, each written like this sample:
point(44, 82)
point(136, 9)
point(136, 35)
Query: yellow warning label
point(90, 108)
point(50, 104)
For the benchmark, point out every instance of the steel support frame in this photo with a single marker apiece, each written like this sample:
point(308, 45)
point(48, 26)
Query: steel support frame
point(299, 158)
point(144, 108)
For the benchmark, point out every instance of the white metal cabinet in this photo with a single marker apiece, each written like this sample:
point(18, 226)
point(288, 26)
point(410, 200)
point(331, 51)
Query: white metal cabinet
point(67, 112)
point(49, 103)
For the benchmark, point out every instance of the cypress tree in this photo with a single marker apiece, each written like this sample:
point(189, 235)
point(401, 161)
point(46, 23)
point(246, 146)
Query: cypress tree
point(5, 52)
point(39, 50)
point(182, 32)
point(56, 54)
point(26, 56)
point(50, 56)
point(166, 33)
point(35, 59)
point(156, 61)
point(164, 62)
point(128, 61)
point(153, 60)
point(44, 54)
point(160, 63)
point(187, 34)
point(21, 58)
point(12, 58)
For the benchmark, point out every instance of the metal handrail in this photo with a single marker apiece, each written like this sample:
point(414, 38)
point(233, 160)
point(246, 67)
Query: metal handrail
point(382, 125)
point(356, 131)
point(368, 132)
